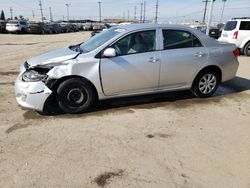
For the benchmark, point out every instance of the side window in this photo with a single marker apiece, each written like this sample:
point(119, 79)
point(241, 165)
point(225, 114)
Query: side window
point(175, 39)
point(245, 25)
point(139, 42)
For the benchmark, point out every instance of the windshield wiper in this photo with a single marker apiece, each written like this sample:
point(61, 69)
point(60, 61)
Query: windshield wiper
point(76, 48)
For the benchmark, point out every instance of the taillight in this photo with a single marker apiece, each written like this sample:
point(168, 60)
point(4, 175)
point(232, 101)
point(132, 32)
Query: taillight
point(236, 33)
point(236, 53)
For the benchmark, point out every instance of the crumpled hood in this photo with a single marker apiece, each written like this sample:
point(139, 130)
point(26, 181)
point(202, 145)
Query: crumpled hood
point(54, 56)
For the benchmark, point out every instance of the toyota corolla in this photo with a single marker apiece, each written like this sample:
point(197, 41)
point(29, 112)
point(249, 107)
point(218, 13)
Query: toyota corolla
point(126, 61)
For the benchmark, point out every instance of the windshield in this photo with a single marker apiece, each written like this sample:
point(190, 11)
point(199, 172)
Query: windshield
point(99, 39)
point(231, 25)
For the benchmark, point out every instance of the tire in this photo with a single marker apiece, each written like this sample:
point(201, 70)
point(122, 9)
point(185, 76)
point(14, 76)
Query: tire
point(206, 84)
point(75, 96)
point(247, 49)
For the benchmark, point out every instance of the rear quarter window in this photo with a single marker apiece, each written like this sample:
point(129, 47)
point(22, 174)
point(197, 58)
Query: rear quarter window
point(245, 25)
point(231, 25)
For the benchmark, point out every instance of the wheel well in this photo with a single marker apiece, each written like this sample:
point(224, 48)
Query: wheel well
point(246, 45)
point(211, 68)
point(55, 83)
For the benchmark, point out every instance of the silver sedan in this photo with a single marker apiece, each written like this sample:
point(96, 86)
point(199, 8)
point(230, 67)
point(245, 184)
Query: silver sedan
point(126, 61)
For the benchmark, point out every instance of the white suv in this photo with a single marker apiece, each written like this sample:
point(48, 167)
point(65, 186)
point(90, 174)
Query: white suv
point(237, 31)
point(17, 26)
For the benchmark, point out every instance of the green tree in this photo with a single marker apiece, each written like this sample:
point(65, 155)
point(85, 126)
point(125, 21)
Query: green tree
point(2, 17)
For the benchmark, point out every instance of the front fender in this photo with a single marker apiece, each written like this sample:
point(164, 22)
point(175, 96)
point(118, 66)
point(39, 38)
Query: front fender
point(89, 71)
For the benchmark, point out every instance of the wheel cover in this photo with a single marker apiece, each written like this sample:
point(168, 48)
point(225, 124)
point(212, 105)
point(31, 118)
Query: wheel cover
point(76, 97)
point(248, 49)
point(207, 83)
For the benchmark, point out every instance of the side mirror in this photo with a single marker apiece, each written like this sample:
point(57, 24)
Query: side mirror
point(109, 52)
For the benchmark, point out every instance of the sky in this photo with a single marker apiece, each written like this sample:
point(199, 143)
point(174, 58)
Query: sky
point(169, 10)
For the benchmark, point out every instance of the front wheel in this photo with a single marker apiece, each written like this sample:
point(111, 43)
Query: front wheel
point(205, 84)
point(75, 96)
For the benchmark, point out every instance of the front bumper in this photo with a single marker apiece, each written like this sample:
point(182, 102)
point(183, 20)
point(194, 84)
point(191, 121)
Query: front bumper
point(31, 95)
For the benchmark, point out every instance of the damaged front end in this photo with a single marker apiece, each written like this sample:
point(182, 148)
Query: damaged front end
point(31, 88)
point(33, 85)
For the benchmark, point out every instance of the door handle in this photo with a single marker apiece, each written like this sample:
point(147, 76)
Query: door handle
point(153, 60)
point(199, 54)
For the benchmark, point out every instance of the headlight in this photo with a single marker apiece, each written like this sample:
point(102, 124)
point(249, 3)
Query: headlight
point(33, 76)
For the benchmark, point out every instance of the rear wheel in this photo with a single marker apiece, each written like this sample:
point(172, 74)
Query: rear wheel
point(247, 49)
point(205, 84)
point(75, 96)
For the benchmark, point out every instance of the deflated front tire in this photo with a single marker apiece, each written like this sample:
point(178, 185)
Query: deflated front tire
point(75, 95)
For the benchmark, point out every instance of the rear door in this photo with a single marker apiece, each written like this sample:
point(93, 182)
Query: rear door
point(182, 55)
point(244, 31)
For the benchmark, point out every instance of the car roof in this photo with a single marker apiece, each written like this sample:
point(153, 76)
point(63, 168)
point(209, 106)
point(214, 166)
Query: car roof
point(134, 27)
point(239, 19)
point(150, 26)
point(208, 41)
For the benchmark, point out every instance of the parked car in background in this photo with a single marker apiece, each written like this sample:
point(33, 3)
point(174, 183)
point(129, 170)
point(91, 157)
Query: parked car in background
point(55, 28)
point(99, 28)
point(65, 27)
point(213, 32)
point(79, 26)
point(237, 31)
point(3, 26)
point(39, 28)
point(126, 61)
point(88, 27)
point(17, 26)
point(73, 27)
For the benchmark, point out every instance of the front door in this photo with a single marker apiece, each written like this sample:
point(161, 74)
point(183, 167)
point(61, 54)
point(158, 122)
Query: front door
point(135, 67)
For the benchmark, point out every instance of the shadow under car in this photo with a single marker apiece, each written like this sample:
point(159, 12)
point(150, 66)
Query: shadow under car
point(236, 85)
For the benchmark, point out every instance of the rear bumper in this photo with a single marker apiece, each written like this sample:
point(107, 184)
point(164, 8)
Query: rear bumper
point(230, 70)
point(12, 29)
point(31, 95)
